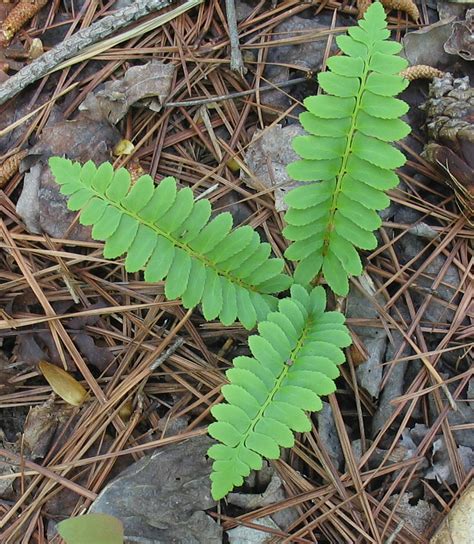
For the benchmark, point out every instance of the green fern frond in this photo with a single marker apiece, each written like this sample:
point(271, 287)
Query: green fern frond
point(295, 360)
point(169, 235)
point(348, 154)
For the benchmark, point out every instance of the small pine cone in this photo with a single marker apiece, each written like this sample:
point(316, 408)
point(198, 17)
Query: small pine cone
point(10, 167)
point(421, 71)
point(18, 17)
point(403, 5)
point(362, 6)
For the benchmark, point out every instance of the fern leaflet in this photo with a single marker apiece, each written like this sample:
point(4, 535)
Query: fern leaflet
point(295, 360)
point(347, 155)
point(167, 233)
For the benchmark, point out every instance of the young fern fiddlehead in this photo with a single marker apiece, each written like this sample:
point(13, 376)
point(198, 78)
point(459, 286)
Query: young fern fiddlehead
point(347, 156)
point(168, 234)
point(295, 360)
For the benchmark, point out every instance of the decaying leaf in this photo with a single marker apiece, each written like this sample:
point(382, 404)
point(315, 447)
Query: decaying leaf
point(97, 528)
point(150, 81)
point(461, 40)
point(40, 427)
point(266, 160)
point(40, 205)
point(63, 384)
point(124, 147)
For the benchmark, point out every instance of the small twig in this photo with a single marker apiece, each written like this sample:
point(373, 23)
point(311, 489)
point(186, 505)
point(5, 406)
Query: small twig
point(393, 536)
point(231, 96)
point(167, 353)
point(236, 60)
point(75, 43)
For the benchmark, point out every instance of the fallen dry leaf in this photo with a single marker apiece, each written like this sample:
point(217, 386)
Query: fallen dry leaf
point(40, 427)
point(150, 81)
point(63, 384)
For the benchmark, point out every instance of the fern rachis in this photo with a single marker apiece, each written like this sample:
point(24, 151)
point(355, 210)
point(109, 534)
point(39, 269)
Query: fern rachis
point(347, 157)
point(170, 235)
point(295, 360)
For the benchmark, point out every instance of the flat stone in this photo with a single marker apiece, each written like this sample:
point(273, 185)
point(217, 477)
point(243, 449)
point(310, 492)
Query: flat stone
point(163, 497)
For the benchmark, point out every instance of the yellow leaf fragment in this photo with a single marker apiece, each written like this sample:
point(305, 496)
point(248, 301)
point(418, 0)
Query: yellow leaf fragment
point(63, 384)
point(233, 165)
point(124, 147)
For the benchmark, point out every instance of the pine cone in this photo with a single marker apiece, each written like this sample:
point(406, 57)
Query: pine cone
point(421, 71)
point(362, 6)
point(17, 18)
point(10, 167)
point(450, 125)
point(403, 5)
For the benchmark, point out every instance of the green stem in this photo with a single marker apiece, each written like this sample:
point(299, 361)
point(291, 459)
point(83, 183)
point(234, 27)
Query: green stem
point(346, 155)
point(180, 245)
point(284, 372)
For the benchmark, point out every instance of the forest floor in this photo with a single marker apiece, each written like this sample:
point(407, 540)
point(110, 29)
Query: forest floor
point(391, 452)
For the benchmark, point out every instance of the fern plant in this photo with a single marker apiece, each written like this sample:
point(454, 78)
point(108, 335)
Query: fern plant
point(295, 360)
point(167, 233)
point(347, 156)
point(348, 161)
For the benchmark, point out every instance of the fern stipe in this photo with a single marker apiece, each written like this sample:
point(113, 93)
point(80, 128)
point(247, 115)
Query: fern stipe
point(168, 234)
point(295, 360)
point(347, 157)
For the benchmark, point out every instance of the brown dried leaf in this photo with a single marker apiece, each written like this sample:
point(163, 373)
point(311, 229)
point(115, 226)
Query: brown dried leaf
point(40, 427)
point(152, 80)
point(460, 42)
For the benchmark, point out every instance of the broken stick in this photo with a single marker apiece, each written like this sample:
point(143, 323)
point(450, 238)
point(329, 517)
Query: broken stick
point(236, 60)
point(77, 42)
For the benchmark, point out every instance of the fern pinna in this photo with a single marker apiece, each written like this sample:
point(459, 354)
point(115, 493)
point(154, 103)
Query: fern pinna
point(169, 234)
point(347, 155)
point(295, 360)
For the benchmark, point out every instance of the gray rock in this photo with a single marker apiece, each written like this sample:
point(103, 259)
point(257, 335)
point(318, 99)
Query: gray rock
point(162, 498)
point(249, 535)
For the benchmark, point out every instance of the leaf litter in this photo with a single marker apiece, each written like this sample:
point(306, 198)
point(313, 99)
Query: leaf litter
point(402, 436)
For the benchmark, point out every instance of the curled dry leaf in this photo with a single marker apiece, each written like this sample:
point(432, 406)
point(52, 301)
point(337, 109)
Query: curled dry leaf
point(63, 384)
point(124, 147)
point(407, 6)
point(151, 81)
point(461, 40)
